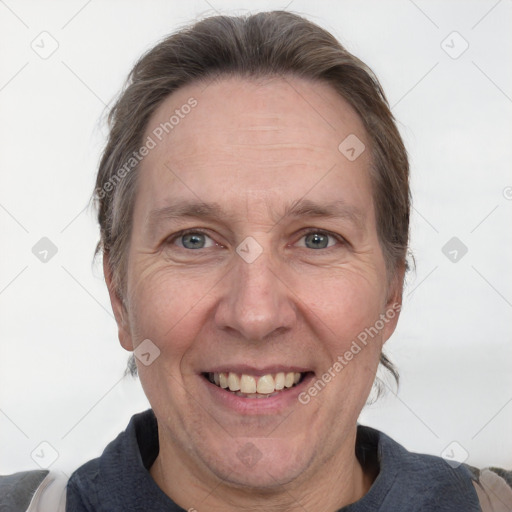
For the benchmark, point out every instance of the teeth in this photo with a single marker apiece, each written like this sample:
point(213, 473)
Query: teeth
point(247, 384)
point(266, 384)
point(233, 382)
point(255, 387)
point(288, 380)
point(223, 380)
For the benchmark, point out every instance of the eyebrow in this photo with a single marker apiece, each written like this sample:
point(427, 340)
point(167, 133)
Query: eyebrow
point(301, 208)
point(339, 209)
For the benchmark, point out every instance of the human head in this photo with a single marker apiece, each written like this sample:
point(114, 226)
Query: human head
point(264, 44)
point(250, 116)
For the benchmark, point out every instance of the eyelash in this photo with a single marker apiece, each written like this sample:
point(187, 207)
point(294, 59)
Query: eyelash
point(308, 231)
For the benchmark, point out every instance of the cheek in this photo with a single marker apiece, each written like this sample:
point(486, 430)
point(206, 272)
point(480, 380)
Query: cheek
point(343, 313)
point(345, 301)
point(164, 307)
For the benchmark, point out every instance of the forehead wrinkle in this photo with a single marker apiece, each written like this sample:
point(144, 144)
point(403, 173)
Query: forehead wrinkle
point(294, 146)
point(338, 209)
point(297, 209)
point(183, 209)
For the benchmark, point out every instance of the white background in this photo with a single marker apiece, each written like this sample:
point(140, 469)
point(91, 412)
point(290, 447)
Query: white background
point(61, 367)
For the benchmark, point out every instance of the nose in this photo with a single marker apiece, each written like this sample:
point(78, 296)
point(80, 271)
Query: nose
point(256, 304)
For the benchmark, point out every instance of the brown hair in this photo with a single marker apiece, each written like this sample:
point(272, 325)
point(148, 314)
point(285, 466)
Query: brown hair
point(259, 45)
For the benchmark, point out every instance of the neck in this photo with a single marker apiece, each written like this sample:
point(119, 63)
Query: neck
point(337, 482)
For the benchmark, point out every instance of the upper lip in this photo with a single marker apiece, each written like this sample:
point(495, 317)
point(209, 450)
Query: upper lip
point(257, 371)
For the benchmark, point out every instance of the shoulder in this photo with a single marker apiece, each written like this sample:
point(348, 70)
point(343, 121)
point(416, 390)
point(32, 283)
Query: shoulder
point(413, 470)
point(493, 487)
point(83, 485)
point(33, 491)
point(434, 482)
point(119, 470)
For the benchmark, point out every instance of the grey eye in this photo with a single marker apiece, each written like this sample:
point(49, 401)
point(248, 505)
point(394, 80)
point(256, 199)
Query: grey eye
point(193, 241)
point(316, 241)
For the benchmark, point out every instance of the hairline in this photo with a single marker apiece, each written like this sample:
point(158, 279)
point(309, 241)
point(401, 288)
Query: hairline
point(217, 76)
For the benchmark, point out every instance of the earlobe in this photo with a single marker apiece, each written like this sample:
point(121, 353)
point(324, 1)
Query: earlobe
point(118, 307)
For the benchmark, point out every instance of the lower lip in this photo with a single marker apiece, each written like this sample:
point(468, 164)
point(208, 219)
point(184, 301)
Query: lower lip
point(283, 399)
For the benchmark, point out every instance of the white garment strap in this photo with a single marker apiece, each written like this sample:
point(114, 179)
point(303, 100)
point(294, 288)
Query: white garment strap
point(50, 496)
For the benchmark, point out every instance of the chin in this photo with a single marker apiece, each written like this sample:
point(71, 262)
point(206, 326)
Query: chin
point(259, 463)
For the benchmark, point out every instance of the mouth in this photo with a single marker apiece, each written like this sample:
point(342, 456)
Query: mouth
point(256, 386)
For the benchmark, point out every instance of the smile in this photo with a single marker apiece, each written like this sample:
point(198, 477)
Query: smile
point(252, 386)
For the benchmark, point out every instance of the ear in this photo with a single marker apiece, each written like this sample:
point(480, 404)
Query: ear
point(393, 305)
point(118, 307)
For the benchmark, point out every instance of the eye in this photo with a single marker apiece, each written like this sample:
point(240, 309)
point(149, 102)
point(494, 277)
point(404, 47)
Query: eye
point(317, 239)
point(193, 240)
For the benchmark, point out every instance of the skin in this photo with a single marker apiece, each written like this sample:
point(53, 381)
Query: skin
point(254, 146)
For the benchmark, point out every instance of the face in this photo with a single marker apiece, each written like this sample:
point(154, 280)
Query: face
point(254, 263)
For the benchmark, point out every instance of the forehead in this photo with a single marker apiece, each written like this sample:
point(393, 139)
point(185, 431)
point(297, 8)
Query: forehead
point(260, 140)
